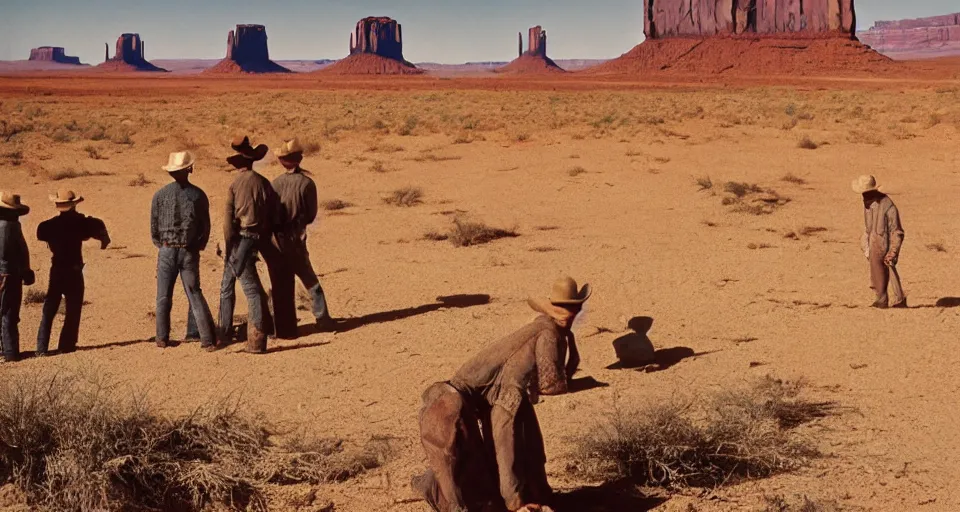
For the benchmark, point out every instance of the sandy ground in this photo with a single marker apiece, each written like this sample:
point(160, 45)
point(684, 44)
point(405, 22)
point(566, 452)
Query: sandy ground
point(634, 224)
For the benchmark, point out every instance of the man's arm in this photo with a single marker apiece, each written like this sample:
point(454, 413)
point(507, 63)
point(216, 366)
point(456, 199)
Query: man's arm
point(865, 237)
point(896, 234)
point(551, 354)
point(573, 362)
point(228, 219)
point(28, 276)
point(310, 203)
point(203, 217)
point(155, 220)
point(97, 230)
point(503, 429)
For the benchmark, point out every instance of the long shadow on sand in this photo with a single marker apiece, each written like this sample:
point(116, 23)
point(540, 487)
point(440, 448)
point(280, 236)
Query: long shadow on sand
point(635, 350)
point(443, 302)
point(608, 497)
point(116, 344)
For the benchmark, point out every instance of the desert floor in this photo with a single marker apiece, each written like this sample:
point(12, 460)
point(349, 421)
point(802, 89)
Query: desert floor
point(600, 183)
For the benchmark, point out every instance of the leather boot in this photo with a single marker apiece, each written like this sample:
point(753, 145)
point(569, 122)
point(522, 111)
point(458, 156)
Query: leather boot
point(256, 340)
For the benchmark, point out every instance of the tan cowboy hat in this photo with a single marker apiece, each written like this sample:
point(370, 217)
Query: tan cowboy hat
point(865, 184)
point(12, 202)
point(288, 148)
point(66, 199)
point(565, 292)
point(179, 161)
point(243, 148)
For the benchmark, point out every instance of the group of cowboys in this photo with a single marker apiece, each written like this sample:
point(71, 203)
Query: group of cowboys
point(260, 218)
point(479, 431)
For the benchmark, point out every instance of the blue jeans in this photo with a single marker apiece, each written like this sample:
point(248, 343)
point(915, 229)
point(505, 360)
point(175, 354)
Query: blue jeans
point(241, 264)
point(65, 283)
point(296, 257)
point(11, 296)
point(173, 262)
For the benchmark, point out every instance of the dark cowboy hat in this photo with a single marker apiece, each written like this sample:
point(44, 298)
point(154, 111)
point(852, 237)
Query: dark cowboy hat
point(243, 148)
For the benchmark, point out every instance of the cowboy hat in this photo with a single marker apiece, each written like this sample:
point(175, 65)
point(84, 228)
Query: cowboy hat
point(289, 148)
point(243, 148)
point(66, 199)
point(179, 161)
point(865, 184)
point(565, 292)
point(12, 202)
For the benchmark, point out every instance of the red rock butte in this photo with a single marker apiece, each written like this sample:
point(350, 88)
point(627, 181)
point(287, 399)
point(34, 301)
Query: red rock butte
point(247, 52)
point(129, 56)
point(534, 60)
point(376, 48)
point(703, 18)
point(933, 37)
point(53, 54)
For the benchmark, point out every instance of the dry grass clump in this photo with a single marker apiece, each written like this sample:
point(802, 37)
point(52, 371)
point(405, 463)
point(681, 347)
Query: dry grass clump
point(936, 247)
point(791, 178)
point(734, 436)
point(779, 503)
point(71, 173)
point(140, 181)
point(576, 171)
point(705, 183)
point(430, 157)
point(34, 296)
point(93, 152)
point(751, 199)
point(331, 205)
point(807, 143)
point(406, 196)
point(464, 233)
point(75, 444)
point(382, 147)
point(378, 167)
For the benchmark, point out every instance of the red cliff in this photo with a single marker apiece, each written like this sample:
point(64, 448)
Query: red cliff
point(534, 60)
point(376, 48)
point(793, 18)
point(129, 56)
point(53, 54)
point(936, 36)
point(247, 52)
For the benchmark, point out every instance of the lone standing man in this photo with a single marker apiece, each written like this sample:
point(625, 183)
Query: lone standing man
point(479, 430)
point(881, 242)
point(180, 229)
point(14, 273)
point(251, 214)
point(298, 200)
point(65, 234)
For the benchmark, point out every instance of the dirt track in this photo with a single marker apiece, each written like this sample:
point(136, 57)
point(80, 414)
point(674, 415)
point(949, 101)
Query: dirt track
point(634, 225)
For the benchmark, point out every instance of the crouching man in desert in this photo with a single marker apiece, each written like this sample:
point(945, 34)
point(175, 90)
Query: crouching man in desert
point(881, 242)
point(479, 429)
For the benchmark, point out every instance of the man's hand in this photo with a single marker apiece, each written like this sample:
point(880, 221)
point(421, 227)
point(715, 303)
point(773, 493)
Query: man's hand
point(29, 277)
point(533, 507)
point(890, 259)
point(104, 242)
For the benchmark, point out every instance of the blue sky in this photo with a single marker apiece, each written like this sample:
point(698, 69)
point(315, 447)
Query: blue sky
point(447, 31)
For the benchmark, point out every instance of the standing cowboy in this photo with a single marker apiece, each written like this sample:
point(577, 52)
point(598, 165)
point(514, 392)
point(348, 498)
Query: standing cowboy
point(14, 272)
point(65, 234)
point(491, 394)
point(248, 226)
point(881, 241)
point(298, 199)
point(180, 229)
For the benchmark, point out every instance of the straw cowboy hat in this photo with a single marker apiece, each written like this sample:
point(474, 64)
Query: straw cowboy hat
point(243, 148)
point(565, 292)
point(289, 148)
point(865, 184)
point(179, 161)
point(12, 202)
point(66, 199)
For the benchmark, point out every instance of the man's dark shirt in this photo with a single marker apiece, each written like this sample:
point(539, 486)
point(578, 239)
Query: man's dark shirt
point(14, 256)
point(66, 233)
point(180, 217)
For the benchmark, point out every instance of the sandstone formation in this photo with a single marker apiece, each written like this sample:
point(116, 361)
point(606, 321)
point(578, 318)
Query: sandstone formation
point(923, 37)
point(535, 59)
point(796, 18)
point(130, 56)
point(247, 52)
point(376, 48)
point(53, 54)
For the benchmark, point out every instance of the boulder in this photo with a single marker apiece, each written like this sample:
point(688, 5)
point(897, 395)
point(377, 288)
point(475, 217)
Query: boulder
point(705, 18)
point(934, 36)
point(247, 52)
point(53, 54)
point(130, 55)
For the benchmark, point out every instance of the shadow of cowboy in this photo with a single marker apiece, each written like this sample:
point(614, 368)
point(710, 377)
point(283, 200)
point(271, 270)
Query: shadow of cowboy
point(442, 302)
point(607, 497)
point(635, 350)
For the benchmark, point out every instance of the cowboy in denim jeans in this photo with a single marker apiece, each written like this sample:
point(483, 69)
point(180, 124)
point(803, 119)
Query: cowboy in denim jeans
point(14, 273)
point(180, 228)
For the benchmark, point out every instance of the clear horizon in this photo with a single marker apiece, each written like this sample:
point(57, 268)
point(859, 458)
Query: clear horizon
point(452, 32)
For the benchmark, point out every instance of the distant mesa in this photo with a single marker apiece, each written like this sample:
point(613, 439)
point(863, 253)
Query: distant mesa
point(376, 48)
point(53, 54)
point(534, 60)
point(748, 37)
point(129, 56)
point(936, 36)
point(247, 52)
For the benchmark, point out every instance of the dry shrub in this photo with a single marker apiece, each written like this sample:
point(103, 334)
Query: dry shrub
point(465, 233)
point(858, 137)
point(780, 503)
point(734, 436)
point(741, 189)
point(14, 158)
point(430, 157)
point(93, 152)
point(384, 148)
point(70, 173)
point(378, 167)
point(311, 147)
point(791, 178)
point(331, 205)
point(705, 183)
point(34, 296)
point(751, 199)
point(140, 181)
point(807, 143)
point(812, 230)
point(937, 247)
point(73, 444)
point(406, 196)
point(576, 171)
